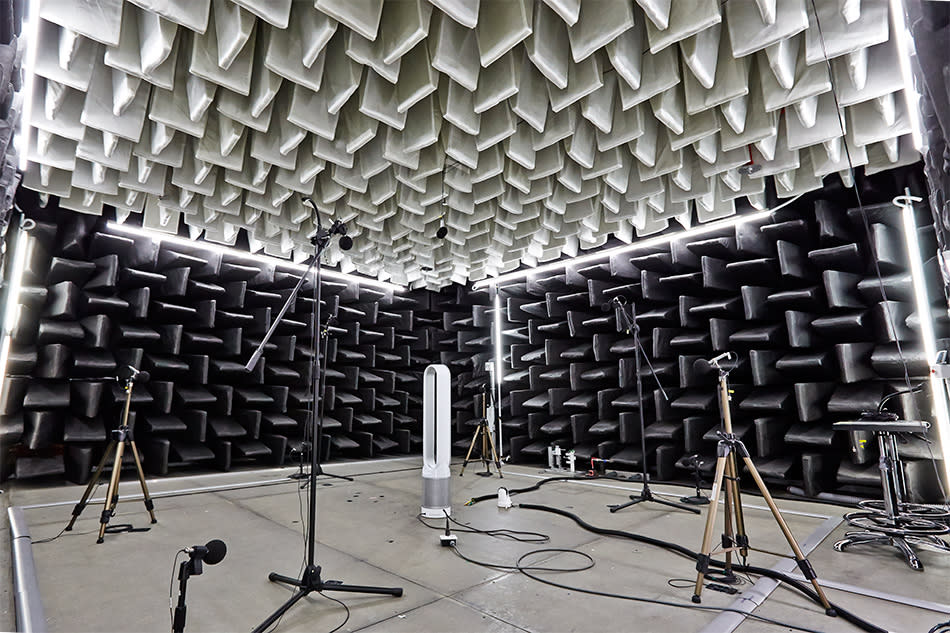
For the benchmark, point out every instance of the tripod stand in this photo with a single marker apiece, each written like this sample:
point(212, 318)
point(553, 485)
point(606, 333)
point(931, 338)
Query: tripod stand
point(734, 538)
point(631, 327)
point(311, 581)
point(121, 437)
point(488, 443)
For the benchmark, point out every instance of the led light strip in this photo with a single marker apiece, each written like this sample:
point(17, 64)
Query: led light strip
point(267, 259)
point(11, 311)
point(905, 49)
point(923, 307)
point(638, 245)
point(498, 362)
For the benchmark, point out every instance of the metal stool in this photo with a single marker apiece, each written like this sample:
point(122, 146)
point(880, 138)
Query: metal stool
point(891, 521)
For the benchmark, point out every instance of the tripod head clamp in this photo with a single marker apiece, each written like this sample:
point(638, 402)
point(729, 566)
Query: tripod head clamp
point(717, 362)
point(130, 375)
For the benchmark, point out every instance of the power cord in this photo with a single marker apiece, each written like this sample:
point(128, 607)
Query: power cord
point(686, 552)
point(530, 570)
point(519, 567)
point(345, 608)
point(668, 603)
point(514, 535)
point(943, 627)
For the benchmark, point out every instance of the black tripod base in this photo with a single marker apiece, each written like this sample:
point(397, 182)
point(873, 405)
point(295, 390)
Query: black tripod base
point(310, 582)
point(647, 495)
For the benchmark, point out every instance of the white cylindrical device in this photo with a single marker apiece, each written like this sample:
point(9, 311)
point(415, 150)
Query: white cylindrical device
point(436, 441)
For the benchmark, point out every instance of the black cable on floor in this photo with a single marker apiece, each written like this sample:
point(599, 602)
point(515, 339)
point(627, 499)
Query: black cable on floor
point(515, 535)
point(519, 566)
point(667, 603)
point(684, 551)
point(342, 604)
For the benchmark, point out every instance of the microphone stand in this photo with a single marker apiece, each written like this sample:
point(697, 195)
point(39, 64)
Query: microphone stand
point(631, 327)
point(311, 581)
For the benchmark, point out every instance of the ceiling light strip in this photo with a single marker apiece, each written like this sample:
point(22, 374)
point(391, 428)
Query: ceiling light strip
point(702, 229)
point(267, 259)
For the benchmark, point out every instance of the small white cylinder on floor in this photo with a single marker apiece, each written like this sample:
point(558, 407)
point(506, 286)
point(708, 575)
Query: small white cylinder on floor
point(436, 441)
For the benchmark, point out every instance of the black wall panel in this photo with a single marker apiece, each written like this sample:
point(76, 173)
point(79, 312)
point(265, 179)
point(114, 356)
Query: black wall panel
point(819, 336)
point(95, 301)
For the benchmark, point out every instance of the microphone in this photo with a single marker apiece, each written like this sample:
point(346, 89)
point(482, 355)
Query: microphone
point(212, 552)
point(618, 300)
point(702, 364)
point(339, 228)
point(133, 374)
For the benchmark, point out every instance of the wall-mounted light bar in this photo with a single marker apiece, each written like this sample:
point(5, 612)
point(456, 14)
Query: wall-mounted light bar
point(905, 49)
point(498, 366)
point(267, 259)
point(938, 388)
point(11, 311)
point(702, 229)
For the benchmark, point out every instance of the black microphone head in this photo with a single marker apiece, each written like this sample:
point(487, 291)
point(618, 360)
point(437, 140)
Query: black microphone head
point(142, 376)
point(216, 551)
point(607, 306)
point(346, 242)
point(702, 366)
point(442, 232)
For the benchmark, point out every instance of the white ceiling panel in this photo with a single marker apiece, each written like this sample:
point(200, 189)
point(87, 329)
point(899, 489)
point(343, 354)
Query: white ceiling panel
point(530, 129)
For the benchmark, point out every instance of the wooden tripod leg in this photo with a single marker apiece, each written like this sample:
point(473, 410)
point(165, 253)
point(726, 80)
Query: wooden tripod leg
point(112, 495)
point(728, 533)
point(803, 563)
point(147, 498)
point(494, 454)
point(702, 564)
point(92, 486)
point(471, 447)
point(740, 536)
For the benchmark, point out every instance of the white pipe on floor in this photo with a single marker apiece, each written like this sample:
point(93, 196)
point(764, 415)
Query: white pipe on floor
point(29, 606)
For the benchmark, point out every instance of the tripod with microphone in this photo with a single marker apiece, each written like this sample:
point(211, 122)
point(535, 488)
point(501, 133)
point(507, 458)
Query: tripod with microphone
point(629, 325)
point(121, 437)
point(211, 553)
point(311, 580)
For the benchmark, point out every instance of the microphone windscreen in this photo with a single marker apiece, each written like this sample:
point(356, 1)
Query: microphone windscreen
point(346, 243)
point(442, 232)
point(702, 365)
point(216, 551)
point(142, 376)
point(606, 306)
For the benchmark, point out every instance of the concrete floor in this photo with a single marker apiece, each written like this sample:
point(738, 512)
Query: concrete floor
point(368, 534)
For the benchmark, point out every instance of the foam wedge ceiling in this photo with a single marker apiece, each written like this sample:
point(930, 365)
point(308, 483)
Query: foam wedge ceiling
point(531, 129)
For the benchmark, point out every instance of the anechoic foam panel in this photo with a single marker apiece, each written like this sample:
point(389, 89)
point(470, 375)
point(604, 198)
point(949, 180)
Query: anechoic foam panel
point(96, 301)
point(531, 129)
point(819, 338)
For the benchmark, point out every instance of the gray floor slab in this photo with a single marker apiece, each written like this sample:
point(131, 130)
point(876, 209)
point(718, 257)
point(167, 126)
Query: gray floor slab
point(368, 533)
